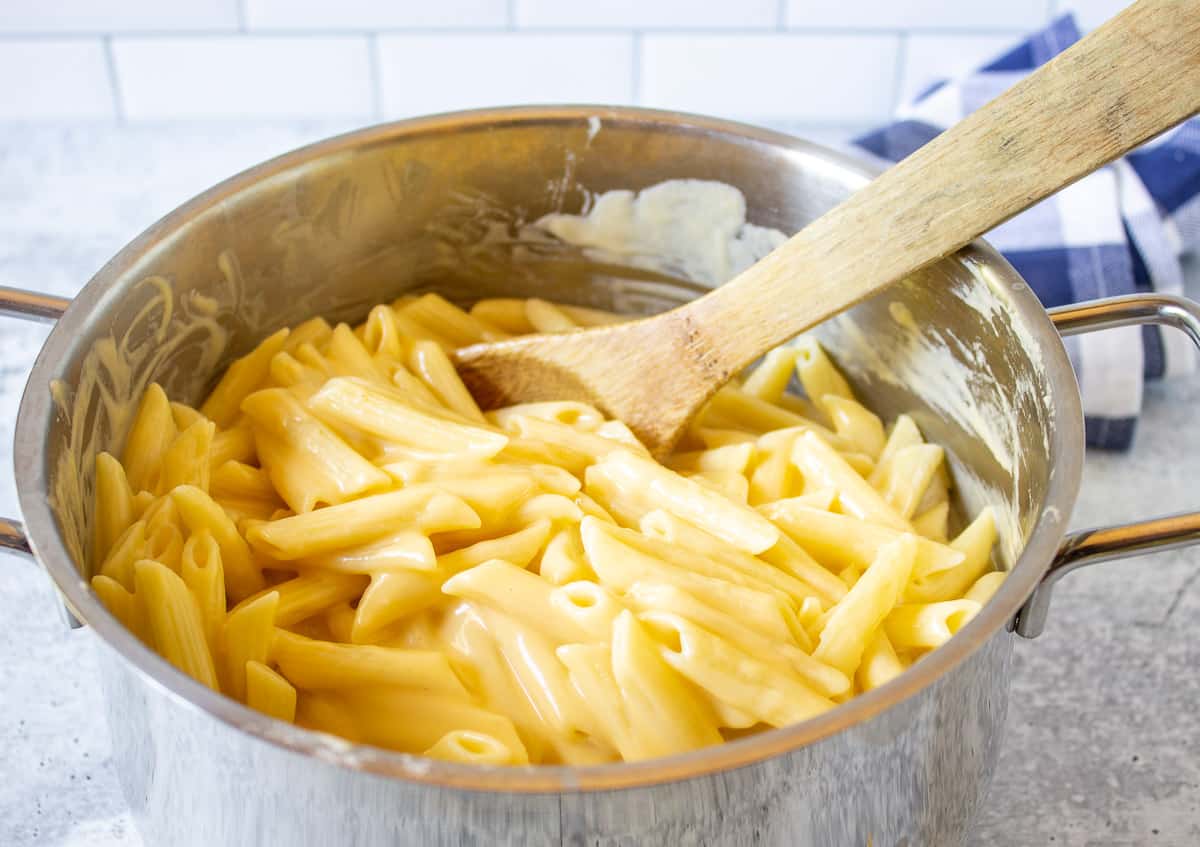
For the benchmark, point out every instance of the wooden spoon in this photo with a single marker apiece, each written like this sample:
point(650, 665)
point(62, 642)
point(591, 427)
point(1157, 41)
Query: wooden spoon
point(1133, 78)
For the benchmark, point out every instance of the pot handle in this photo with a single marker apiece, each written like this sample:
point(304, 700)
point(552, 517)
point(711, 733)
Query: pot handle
point(1090, 546)
point(43, 308)
point(31, 305)
point(12, 538)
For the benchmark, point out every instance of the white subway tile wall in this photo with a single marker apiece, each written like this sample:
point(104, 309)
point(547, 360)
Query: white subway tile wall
point(37, 16)
point(820, 63)
point(420, 74)
point(649, 14)
point(243, 77)
point(917, 14)
point(324, 15)
point(837, 78)
point(72, 80)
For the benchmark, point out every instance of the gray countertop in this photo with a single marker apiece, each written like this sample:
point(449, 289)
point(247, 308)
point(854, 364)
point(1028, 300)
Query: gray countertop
point(1103, 744)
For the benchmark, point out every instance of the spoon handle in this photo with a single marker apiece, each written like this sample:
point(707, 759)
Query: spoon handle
point(1133, 78)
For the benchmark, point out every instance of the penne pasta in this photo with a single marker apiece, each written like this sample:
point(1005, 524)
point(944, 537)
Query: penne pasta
point(235, 479)
point(200, 567)
point(619, 566)
point(563, 560)
point(112, 513)
point(730, 676)
point(309, 594)
point(381, 335)
point(123, 606)
point(430, 362)
point(547, 317)
point(200, 512)
point(774, 478)
point(974, 546)
point(880, 664)
point(312, 665)
point(344, 355)
point(505, 313)
point(712, 437)
point(855, 423)
point(151, 434)
point(746, 411)
point(851, 622)
point(731, 485)
point(587, 316)
point(339, 537)
point(925, 626)
point(174, 623)
point(246, 637)
point(364, 407)
point(357, 522)
point(733, 458)
point(531, 659)
point(449, 321)
point(647, 597)
point(643, 480)
point(904, 434)
point(186, 461)
point(471, 748)
point(427, 718)
point(576, 415)
point(839, 541)
point(245, 376)
point(519, 594)
point(118, 564)
point(985, 587)
point(770, 378)
point(934, 523)
point(664, 714)
point(823, 467)
point(306, 462)
point(908, 475)
point(590, 668)
point(817, 373)
point(681, 534)
point(270, 693)
point(405, 550)
point(235, 444)
point(184, 416)
point(313, 331)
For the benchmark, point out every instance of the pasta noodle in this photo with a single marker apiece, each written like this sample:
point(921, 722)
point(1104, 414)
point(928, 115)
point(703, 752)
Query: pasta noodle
point(339, 537)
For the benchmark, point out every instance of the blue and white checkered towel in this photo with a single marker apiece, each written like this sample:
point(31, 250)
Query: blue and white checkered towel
point(1118, 231)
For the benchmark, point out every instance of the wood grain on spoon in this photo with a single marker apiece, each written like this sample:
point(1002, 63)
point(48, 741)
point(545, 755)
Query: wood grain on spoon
point(1133, 78)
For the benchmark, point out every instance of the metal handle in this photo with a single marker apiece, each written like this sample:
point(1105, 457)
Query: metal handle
point(44, 308)
point(12, 537)
point(31, 305)
point(1090, 546)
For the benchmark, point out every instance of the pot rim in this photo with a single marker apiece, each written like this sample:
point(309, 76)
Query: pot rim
point(37, 410)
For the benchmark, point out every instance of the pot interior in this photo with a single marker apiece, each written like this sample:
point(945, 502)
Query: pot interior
point(436, 204)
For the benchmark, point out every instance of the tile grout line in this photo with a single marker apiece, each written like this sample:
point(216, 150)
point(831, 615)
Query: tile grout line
point(110, 64)
point(511, 13)
point(781, 15)
point(241, 15)
point(341, 32)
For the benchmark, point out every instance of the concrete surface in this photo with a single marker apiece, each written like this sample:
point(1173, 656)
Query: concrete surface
point(1103, 744)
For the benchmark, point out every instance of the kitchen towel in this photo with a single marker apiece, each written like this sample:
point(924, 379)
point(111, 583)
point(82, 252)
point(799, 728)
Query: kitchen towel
point(1120, 230)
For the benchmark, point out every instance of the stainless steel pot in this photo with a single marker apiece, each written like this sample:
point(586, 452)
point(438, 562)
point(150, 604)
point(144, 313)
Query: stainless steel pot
point(436, 202)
